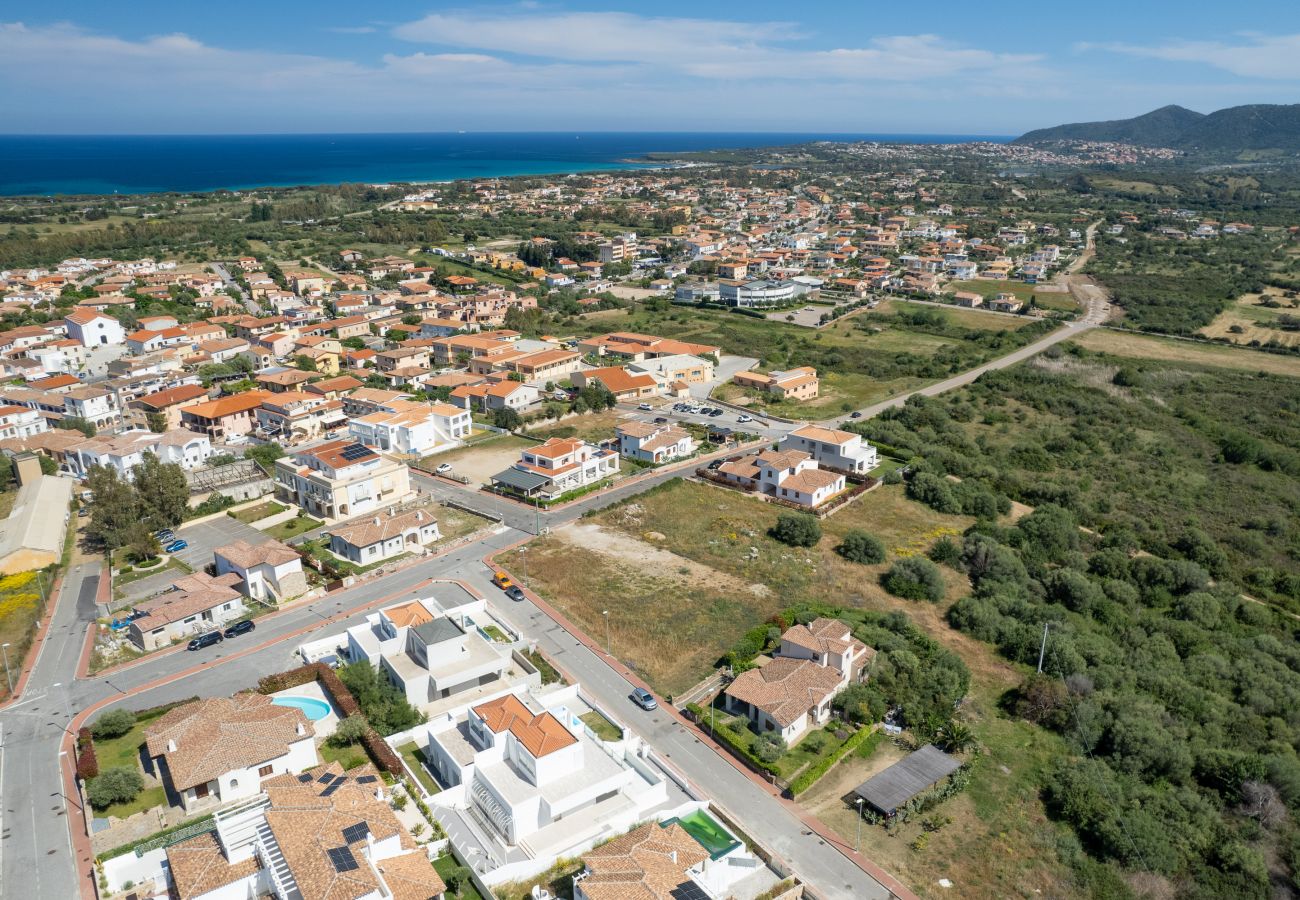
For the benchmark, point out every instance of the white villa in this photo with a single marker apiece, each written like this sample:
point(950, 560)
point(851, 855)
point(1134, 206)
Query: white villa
point(789, 475)
point(384, 536)
point(832, 448)
point(412, 429)
point(556, 467)
point(652, 443)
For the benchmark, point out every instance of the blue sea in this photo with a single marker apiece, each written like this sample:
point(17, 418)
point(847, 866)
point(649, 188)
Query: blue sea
point(107, 164)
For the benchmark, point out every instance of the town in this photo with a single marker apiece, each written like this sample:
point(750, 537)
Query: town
point(413, 545)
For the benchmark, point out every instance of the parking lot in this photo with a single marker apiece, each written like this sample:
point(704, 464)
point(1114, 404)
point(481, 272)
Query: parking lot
point(204, 537)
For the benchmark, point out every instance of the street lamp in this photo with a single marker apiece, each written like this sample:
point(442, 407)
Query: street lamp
point(523, 556)
point(67, 705)
point(605, 613)
point(8, 677)
point(857, 846)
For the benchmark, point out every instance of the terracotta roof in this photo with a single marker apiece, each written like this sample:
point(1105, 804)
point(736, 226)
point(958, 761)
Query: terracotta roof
point(825, 435)
point(810, 481)
point(228, 406)
point(618, 380)
point(647, 863)
point(408, 614)
point(173, 396)
point(823, 635)
point(539, 733)
point(786, 688)
point(216, 736)
point(246, 555)
point(381, 528)
point(199, 866)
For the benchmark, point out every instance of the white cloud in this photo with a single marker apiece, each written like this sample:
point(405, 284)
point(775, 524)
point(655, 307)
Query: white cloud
point(1253, 56)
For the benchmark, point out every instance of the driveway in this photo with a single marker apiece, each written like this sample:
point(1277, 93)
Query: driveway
point(204, 537)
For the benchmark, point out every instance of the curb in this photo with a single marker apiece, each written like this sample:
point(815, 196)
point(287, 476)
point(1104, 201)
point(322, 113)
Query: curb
point(869, 868)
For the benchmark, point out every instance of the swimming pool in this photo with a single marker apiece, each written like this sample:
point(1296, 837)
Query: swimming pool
point(313, 709)
point(716, 840)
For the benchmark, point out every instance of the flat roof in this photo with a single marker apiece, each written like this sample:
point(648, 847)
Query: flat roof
point(890, 789)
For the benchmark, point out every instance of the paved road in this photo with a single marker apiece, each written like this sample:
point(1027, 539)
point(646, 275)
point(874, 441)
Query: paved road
point(36, 854)
point(230, 282)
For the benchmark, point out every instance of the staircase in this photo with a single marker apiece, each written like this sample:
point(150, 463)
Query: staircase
point(268, 851)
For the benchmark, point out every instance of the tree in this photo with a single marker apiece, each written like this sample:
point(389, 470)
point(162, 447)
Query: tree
point(914, 578)
point(140, 542)
point(957, 738)
point(458, 878)
point(304, 362)
point(116, 785)
point(796, 529)
point(113, 724)
point(507, 418)
point(72, 423)
point(860, 703)
point(382, 704)
point(768, 747)
point(114, 508)
point(861, 547)
point(350, 731)
point(156, 421)
point(265, 455)
point(163, 492)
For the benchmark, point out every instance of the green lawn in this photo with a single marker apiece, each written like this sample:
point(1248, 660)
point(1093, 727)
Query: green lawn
point(172, 563)
point(605, 729)
point(415, 762)
point(444, 865)
point(125, 750)
point(260, 511)
point(348, 757)
point(293, 527)
point(146, 799)
point(887, 464)
point(496, 634)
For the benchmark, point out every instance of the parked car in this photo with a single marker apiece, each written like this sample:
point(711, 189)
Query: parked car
point(444, 469)
point(856, 414)
point(83, 512)
point(744, 418)
point(644, 699)
point(661, 420)
point(205, 640)
point(644, 406)
point(239, 628)
point(176, 546)
point(515, 593)
point(716, 464)
point(164, 534)
point(502, 580)
point(715, 413)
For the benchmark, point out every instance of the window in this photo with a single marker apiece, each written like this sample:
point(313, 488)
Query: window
point(264, 771)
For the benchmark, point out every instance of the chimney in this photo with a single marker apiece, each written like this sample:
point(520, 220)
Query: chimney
point(419, 515)
point(673, 855)
point(171, 746)
point(301, 730)
point(376, 520)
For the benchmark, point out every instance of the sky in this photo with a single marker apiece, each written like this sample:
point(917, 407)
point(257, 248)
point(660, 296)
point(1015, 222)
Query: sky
point(273, 66)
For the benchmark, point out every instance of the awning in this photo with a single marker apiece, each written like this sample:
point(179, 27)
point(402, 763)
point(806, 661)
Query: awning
point(519, 480)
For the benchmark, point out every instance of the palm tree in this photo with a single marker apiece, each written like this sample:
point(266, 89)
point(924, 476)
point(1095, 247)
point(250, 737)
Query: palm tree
point(957, 738)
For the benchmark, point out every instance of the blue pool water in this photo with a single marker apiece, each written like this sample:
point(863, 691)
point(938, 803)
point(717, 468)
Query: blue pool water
point(313, 709)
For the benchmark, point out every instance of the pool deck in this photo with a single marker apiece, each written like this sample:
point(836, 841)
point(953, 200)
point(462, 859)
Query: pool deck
point(323, 727)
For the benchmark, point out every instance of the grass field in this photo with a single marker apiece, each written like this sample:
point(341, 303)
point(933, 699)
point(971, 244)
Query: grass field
point(454, 523)
point(255, 513)
point(986, 289)
point(1140, 346)
point(590, 427)
point(675, 569)
point(20, 609)
point(293, 527)
point(1256, 323)
point(415, 762)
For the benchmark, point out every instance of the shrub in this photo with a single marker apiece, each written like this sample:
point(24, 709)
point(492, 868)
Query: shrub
point(914, 578)
point(768, 747)
point(382, 754)
point(87, 760)
point(810, 776)
point(796, 529)
point(739, 744)
point(863, 548)
point(946, 552)
point(113, 724)
point(350, 731)
point(117, 785)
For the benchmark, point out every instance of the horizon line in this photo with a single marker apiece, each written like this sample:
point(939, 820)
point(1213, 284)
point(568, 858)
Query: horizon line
point(467, 132)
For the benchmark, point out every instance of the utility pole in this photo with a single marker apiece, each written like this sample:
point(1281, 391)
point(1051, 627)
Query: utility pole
point(8, 677)
point(605, 613)
point(1043, 649)
point(857, 845)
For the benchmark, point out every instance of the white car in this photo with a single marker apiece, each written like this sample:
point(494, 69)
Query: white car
point(444, 469)
point(644, 406)
point(744, 418)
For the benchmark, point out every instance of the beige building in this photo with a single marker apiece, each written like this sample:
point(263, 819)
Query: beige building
point(801, 383)
point(32, 536)
point(341, 479)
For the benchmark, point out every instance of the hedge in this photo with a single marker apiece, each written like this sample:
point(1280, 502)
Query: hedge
point(383, 755)
point(87, 760)
point(811, 775)
point(329, 680)
point(725, 736)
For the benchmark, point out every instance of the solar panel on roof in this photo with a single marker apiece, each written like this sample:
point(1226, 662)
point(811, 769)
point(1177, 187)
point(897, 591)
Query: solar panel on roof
point(304, 777)
point(688, 890)
point(325, 778)
point(342, 859)
point(354, 451)
point(357, 832)
point(366, 779)
point(332, 788)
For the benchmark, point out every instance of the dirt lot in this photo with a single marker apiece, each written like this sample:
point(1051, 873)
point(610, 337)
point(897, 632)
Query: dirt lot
point(1141, 346)
point(1256, 321)
point(481, 460)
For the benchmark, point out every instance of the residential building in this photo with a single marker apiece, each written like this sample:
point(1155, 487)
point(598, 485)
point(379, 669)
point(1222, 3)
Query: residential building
point(799, 383)
point(295, 417)
point(224, 417)
point(653, 862)
point(341, 479)
point(221, 749)
point(195, 604)
point(269, 571)
point(839, 450)
point(125, 451)
point(167, 404)
point(792, 694)
point(648, 442)
point(382, 537)
point(556, 467)
point(488, 397)
point(788, 475)
point(93, 404)
point(634, 347)
point(682, 368)
point(620, 382)
point(21, 422)
point(408, 428)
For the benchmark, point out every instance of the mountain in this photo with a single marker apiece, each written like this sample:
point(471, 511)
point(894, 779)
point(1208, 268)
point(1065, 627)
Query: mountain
point(1232, 130)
